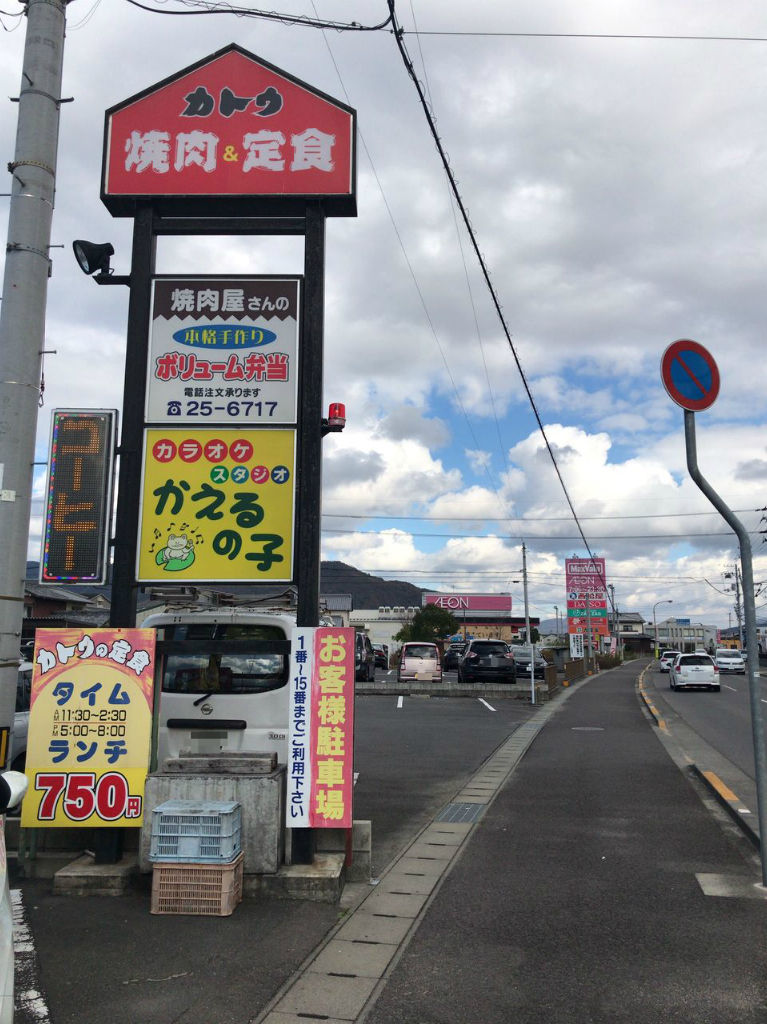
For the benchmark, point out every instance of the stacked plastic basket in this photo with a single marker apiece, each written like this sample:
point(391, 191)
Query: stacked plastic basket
point(196, 852)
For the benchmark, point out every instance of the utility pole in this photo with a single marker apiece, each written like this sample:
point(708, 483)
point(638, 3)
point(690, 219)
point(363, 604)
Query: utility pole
point(530, 645)
point(22, 317)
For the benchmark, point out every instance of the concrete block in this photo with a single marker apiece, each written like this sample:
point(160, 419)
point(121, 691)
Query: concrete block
point(83, 877)
point(333, 840)
point(321, 881)
point(263, 811)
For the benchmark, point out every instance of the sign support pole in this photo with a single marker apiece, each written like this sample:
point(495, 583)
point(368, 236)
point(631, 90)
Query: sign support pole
point(124, 590)
point(309, 465)
point(749, 606)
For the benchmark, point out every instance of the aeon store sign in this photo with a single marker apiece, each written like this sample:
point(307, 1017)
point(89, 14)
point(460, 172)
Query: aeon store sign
point(470, 602)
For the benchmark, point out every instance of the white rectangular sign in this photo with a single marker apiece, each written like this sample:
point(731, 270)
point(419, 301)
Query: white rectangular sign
point(223, 351)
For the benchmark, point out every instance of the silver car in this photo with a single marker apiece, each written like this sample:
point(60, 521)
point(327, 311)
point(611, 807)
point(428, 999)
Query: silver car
point(419, 660)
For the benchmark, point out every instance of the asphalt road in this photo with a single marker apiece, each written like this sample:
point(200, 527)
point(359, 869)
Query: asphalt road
point(722, 719)
point(107, 959)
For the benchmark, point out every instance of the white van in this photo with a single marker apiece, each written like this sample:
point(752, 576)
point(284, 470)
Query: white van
point(222, 674)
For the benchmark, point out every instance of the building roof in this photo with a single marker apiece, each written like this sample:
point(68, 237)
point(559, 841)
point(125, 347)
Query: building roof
point(337, 602)
point(47, 592)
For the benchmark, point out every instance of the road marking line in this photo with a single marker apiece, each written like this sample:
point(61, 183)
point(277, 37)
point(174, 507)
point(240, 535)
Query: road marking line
point(488, 706)
point(400, 701)
point(721, 788)
point(29, 998)
point(729, 687)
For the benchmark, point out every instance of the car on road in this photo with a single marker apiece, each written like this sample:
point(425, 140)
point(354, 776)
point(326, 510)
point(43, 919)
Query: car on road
point(694, 670)
point(419, 660)
point(667, 659)
point(522, 664)
point(381, 652)
point(487, 660)
point(364, 659)
point(729, 660)
point(453, 655)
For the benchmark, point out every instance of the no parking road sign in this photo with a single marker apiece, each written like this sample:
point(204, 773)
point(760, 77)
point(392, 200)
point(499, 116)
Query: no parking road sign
point(690, 375)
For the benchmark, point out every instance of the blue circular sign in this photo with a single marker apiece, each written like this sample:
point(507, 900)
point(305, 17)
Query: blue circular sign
point(690, 375)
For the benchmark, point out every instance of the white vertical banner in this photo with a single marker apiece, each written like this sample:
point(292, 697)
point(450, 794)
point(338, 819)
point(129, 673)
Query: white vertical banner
point(297, 805)
point(576, 645)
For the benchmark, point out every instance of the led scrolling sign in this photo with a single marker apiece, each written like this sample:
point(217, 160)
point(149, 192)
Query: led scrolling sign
point(79, 496)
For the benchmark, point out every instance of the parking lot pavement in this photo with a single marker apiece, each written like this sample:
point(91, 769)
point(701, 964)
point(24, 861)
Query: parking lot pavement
point(581, 877)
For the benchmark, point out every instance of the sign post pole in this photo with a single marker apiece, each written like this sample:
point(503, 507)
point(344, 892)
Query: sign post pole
point(691, 377)
point(749, 607)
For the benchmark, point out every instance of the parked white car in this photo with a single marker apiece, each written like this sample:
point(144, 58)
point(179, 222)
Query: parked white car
point(694, 670)
point(667, 658)
point(13, 786)
point(730, 660)
point(21, 717)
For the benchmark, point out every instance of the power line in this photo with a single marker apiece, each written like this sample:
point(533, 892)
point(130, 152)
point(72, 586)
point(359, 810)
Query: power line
point(398, 36)
point(537, 536)
point(517, 519)
point(206, 7)
point(589, 35)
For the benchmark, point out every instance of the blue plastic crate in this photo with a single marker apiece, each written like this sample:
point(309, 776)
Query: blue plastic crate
point(196, 831)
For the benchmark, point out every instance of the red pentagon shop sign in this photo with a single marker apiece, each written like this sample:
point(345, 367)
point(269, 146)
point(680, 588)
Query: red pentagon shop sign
point(229, 127)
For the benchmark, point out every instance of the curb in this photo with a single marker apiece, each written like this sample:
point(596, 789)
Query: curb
point(727, 799)
point(659, 720)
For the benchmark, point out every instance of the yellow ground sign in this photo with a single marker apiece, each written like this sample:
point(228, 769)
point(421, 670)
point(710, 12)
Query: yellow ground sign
point(217, 505)
point(90, 727)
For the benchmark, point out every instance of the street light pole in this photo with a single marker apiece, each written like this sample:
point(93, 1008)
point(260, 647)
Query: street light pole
point(668, 600)
point(556, 612)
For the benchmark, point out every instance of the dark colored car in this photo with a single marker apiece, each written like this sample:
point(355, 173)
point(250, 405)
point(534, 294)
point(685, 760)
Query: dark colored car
point(522, 662)
point(381, 652)
point(364, 659)
point(488, 661)
point(453, 656)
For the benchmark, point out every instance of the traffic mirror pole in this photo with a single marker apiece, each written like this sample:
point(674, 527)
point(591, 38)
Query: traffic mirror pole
point(749, 607)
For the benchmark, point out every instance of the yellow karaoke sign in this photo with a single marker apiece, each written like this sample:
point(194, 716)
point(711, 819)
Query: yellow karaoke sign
point(217, 505)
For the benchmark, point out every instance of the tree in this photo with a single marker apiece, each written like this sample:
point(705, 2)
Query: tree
point(430, 623)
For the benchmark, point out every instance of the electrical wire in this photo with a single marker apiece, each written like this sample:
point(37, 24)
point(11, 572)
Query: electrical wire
point(518, 519)
point(398, 36)
point(247, 12)
point(591, 35)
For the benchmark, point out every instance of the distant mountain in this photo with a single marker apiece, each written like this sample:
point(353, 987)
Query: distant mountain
point(335, 578)
point(367, 591)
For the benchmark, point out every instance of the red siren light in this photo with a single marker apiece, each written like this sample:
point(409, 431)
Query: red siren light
point(337, 414)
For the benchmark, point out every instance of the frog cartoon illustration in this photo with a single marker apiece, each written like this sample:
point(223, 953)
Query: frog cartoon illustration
point(177, 554)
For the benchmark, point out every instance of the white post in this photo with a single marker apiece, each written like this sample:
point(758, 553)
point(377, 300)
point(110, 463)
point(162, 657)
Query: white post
point(22, 315)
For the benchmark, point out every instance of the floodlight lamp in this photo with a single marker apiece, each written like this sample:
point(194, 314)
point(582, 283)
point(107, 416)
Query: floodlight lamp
point(92, 257)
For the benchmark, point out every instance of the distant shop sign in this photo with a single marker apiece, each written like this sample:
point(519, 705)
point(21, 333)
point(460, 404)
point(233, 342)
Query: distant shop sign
point(223, 351)
point(585, 584)
point(470, 602)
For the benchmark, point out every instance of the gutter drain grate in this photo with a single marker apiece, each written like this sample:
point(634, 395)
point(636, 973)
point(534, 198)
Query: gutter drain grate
point(461, 812)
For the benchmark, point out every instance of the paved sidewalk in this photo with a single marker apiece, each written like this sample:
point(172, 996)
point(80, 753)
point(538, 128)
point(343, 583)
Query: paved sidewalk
point(583, 892)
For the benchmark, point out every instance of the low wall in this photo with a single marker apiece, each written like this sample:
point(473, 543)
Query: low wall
point(449, 688)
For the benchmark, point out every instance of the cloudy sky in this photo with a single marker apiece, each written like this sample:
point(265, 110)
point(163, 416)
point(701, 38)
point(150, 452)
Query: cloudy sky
point(614, 175)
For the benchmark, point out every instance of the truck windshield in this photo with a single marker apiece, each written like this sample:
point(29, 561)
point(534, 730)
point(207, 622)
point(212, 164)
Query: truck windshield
point(215, 658)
